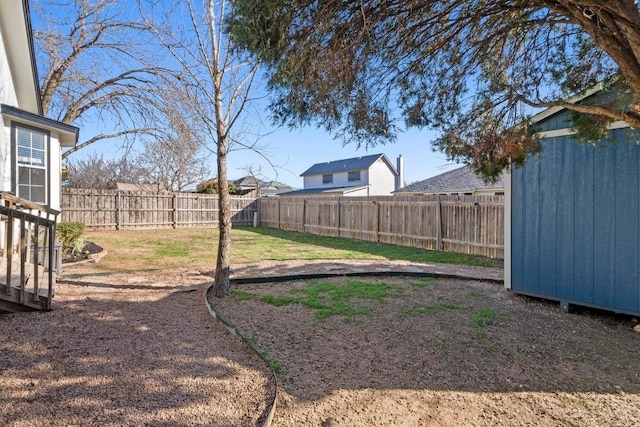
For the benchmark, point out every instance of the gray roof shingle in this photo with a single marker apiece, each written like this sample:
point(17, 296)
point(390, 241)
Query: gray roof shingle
point(461, 180)
point(356, 163)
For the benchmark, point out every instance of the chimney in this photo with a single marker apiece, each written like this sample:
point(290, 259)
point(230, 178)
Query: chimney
point(400, 177)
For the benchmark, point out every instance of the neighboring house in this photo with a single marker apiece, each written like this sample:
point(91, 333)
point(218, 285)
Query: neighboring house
point(571, 218)
point(249, 184)
point(274, 188)
point(372, 175)
point(461, 181)
point(30, 144)
point(264, 188)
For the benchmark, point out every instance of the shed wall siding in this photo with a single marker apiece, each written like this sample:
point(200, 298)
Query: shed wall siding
point(575, 233)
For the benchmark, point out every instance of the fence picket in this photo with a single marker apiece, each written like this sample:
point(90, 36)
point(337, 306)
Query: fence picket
point(463, 224)
point(117, 209)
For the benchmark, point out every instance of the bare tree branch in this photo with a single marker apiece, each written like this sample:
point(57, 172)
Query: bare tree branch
point(98, 66)
point(219, 82)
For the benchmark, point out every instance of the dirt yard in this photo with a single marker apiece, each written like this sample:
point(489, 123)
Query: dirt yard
point(443, 353)
point(141, 349)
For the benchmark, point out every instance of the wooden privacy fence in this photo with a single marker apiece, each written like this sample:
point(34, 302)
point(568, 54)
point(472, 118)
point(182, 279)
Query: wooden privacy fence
point(461, 224)
point(117, 209)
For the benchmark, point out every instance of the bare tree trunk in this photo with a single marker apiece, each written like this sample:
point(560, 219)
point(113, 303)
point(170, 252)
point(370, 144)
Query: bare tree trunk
point(220, 79)
point(224, 224)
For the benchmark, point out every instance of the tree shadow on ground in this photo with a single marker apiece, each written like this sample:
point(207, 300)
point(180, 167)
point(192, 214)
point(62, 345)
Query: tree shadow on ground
point(110, 356)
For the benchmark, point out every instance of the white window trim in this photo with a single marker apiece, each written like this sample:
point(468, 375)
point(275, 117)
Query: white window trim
point(17, 165)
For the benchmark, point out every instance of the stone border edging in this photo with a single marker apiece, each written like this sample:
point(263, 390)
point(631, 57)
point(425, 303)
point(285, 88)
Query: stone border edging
point(270, 411)
point(394, 273)
point(91, 259)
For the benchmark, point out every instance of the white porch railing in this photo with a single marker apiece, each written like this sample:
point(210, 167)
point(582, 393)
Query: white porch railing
point(27, 254)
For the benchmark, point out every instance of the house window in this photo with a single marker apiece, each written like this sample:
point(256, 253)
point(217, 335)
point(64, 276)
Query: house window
point(354, 176)
point(327, 178)
point(31, 164)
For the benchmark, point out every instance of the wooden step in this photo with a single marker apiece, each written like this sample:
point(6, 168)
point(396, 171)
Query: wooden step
point(11, 301)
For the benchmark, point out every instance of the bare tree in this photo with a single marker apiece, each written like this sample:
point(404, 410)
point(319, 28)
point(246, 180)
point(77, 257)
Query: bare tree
point(94, 171)
point(96, 66)
point(257, 176)
point(176, 158)
point(219, 80)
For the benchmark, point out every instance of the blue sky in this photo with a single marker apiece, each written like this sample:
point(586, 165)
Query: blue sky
point(293, 150)
point(296, 150)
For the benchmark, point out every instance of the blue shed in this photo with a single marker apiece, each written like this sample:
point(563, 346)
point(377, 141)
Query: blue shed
point(572, 219)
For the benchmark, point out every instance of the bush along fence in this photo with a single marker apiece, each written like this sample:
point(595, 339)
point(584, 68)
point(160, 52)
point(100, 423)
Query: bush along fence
point(461, 224)
point(119, 210)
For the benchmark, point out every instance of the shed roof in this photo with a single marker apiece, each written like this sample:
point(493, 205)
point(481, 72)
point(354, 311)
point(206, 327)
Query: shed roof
point(344, 165)
point(462, 180)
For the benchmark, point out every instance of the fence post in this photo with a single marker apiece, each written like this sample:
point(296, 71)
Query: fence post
point(377, 202)
point(339, 216)
point(174, 200)
point(118, 209)
point(279, 228)
point(304, 212)
point(438, 224)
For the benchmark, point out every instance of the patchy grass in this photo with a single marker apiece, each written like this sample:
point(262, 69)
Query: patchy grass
point(274, 363)
point(484, 316)
point(332, 299)
point(424, 283)
point(346, 299)
point(131, 250)
point(241, 295)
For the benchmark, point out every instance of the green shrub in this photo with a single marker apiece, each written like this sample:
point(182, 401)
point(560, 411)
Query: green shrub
point(70, 234)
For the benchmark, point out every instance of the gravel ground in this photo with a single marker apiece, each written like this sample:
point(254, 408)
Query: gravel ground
point(128, 350)
point(141, 349)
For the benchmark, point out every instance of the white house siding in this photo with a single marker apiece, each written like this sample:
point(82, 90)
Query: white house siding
point(7, 89)
point(340, 179)
point(7, 96)
point(5, 157)
point(315, 181)
point(55, 174)
point(382, 179)
point(362, 192)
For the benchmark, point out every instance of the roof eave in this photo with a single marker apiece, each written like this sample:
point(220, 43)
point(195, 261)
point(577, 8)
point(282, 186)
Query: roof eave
point(67, 134)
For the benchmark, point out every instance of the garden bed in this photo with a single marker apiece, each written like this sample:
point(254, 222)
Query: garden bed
point(420, 351)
